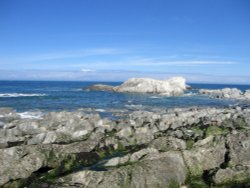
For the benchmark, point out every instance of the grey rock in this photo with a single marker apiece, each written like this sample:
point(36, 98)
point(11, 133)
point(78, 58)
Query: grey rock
point(207, 155)
point(239, 145)
point(99, 87)
point(247, 94)
point(51, 137)
point(143, 135)
point(153, 172)
point(178, 133)
point(232, 175)
point(168, 144)
point(227, 93)
point(1, 124)
point(117, 161)
point(8, 115)
point(19, 163)
point(126, 132)
point(29, 127)
point(158, 133)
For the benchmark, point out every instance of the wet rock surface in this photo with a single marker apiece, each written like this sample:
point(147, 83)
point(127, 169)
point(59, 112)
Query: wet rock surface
point(173, 148)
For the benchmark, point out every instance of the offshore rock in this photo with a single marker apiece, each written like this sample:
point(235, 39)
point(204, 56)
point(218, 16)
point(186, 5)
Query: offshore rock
point(226, 93)
point(100, 87)
point(172, 87)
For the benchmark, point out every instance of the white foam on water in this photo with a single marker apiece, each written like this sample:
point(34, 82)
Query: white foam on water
point(190, 94)
point(155, 97)
point(134, 106)
point(79, 89)
point(21, 95)
point(100, 110)
point(31, 115)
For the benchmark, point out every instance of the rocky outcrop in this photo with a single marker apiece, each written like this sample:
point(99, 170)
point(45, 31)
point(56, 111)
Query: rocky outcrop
point(171, 87)
point(171, 148)
point(247, 94)
point(238, 161)
point(101, 87)
point(226, 93)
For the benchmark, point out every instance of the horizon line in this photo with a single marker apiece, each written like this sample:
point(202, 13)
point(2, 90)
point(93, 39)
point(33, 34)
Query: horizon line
point(106, 81)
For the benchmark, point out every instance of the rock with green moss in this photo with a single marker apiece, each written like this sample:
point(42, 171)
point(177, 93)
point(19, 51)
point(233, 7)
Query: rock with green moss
point(162, 170)
point(216, 130)
point(205, 155)
point(21, 162)
point(239, 148)
point(235, 175)
point(190, 143)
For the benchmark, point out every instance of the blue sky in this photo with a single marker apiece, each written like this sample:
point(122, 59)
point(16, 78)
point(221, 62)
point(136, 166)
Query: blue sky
point(112, 40)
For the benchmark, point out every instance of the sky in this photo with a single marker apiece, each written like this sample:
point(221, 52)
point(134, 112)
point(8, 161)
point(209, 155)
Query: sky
point(206, 41)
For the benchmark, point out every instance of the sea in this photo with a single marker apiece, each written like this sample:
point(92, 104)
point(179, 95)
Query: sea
point(31, 98)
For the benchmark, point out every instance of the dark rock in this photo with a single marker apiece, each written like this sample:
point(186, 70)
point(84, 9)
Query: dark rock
point(100, 87)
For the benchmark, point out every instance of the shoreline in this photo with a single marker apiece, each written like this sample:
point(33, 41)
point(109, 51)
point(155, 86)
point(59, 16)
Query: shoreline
point(200, 145)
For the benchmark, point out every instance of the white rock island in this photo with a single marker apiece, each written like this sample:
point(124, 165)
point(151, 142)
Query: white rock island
point(174, 86)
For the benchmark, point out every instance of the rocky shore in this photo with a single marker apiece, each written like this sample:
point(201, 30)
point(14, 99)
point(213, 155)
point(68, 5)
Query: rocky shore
point(182, 147)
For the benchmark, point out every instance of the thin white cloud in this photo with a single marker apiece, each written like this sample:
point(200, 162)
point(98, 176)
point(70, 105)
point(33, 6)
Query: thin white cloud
point(87, 70)
point(67, 54)
point(198, 63)
point(150, 62)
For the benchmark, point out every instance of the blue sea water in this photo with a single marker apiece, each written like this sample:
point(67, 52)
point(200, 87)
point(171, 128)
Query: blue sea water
point(57, 95)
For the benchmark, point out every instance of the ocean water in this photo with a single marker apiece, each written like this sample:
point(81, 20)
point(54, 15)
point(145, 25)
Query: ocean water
point(46, 96)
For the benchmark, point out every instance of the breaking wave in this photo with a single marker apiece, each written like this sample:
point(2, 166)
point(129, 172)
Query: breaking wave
point(21, 95)
point(31, 115)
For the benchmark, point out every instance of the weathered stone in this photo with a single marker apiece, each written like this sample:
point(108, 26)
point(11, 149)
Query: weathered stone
point(143, 135)
point(153, 172)
point(206, 155)
point(247, 94)
point(117, 161)
point(212, 140)
point(171, 87)
point(232, 176)
point(239, 145)
point(19, 163)
point(80, 134)
point(227, 93)
point(168, 144)
point(99, 87)
point(125, 132)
